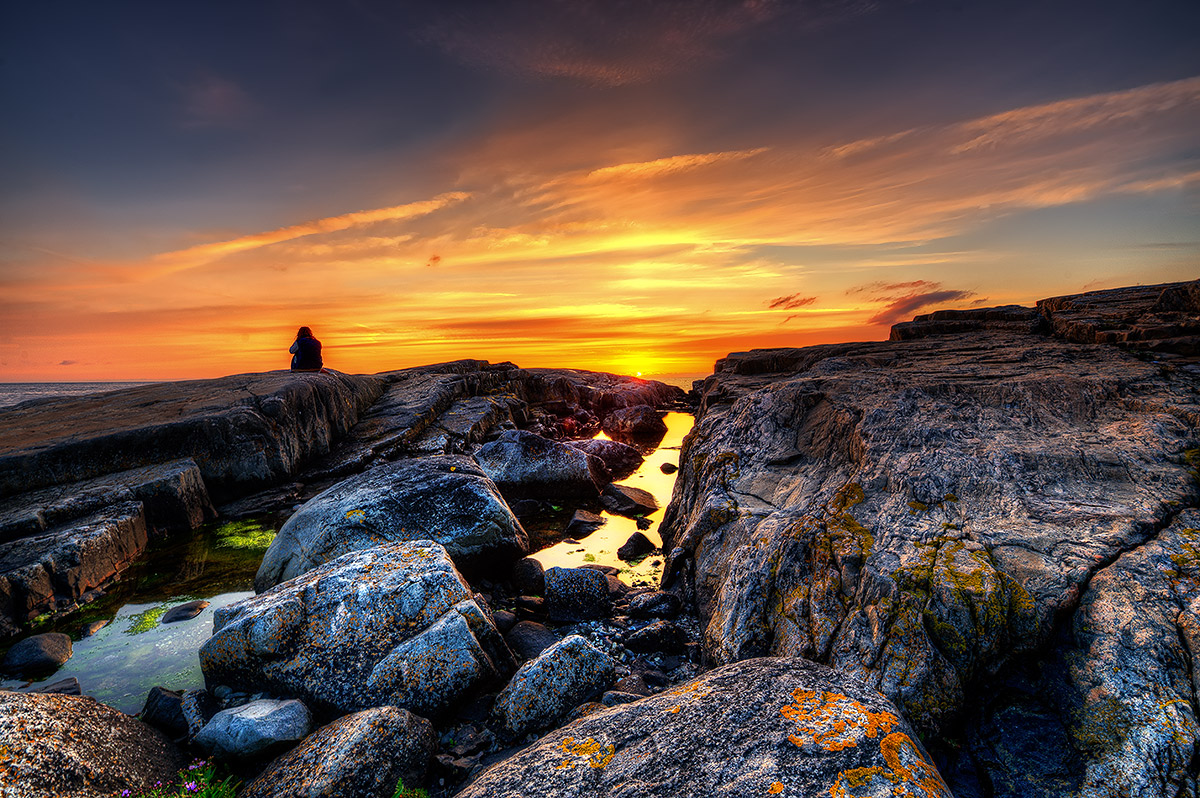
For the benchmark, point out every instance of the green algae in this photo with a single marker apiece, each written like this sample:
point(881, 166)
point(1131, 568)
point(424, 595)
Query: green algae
point(146, 620)
point(247, 535)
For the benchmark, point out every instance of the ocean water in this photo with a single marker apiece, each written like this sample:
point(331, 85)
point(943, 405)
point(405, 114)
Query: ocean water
point(14, 393)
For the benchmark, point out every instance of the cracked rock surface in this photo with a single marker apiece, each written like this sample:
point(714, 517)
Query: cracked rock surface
point(949, 513)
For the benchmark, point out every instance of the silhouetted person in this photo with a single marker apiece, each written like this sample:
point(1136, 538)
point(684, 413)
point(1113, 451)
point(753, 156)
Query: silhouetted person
point(306, 351)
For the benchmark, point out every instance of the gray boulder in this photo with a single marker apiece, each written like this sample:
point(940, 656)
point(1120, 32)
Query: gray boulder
point(620, 459)
point(446, 499)
point(255, 729)
point(38, 654)
point(574, 594)
point(545, 689)
point(392, 625)
point(73, 747)
point(760, 727)
point(656, 604)
point(362, 755)
point(524, 465)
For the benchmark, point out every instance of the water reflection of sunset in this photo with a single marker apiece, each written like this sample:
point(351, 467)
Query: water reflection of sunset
point(729, 177)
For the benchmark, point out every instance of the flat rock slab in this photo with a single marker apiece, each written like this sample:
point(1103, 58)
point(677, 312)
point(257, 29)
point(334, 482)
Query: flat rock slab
point(74, 747)
point(46, 572)
point(766, 727)
point(627, 500)
point(445, 499)
point(362, 755)
point(243, 431)
point(391, 625)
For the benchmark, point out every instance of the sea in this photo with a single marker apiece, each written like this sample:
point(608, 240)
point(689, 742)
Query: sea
point(14, 393)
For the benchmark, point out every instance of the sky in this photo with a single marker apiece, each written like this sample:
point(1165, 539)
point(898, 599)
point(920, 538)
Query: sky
point(640, 186)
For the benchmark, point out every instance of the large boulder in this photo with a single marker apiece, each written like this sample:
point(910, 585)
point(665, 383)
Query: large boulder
point(546, 688)
point(767, 727)
point(391, 625)
point(446, 499)
point(524, 465)
point(74, 747)
point(937, 516)
point(251, 730)
point(362, 755)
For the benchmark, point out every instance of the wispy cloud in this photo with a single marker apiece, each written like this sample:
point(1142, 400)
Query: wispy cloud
point(902, 300)
point(205, 253)
point(662, 167)
point(791, 301)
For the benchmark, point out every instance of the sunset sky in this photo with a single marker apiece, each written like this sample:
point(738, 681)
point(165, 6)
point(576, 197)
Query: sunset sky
point(625, 185)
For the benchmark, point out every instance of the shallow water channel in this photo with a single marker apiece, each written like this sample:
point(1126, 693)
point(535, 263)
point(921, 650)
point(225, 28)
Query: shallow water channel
point(134, 650)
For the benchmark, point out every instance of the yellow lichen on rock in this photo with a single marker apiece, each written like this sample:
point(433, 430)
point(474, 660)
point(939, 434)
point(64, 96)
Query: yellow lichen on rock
point(833, 721)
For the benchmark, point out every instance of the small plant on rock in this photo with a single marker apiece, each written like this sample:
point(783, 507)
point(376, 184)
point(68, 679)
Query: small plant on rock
point(403, 792)
point(198, 780)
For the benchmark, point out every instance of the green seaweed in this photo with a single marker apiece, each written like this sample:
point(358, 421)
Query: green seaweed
point(146, 620)
point(250, 535)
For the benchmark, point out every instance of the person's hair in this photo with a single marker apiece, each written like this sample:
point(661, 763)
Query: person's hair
point(304, 332)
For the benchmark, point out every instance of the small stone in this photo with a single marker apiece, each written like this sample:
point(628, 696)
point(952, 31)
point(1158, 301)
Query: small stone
point(184, 612)
point(574, 594)
point(668, 468)
point(37, 655)
point(504, 620)
point(90, 629)
point(67, 686)
point(636, 547)
point(583, 524)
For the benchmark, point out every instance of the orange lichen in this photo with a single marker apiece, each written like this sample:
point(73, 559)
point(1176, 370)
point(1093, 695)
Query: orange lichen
point(596, 755)
point(833, 721)
point(775, 788)
point(907, 775)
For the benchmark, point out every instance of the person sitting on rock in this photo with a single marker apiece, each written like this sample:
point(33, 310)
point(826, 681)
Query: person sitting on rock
point(306, 352)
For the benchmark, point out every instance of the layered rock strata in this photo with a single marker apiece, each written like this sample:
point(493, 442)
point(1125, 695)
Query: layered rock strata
point(936, 513)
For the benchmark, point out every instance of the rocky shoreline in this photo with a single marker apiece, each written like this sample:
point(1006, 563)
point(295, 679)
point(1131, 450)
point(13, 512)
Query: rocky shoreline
point(963, 562)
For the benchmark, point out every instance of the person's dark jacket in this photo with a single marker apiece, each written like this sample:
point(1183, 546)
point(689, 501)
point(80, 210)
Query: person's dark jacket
point(306, 354)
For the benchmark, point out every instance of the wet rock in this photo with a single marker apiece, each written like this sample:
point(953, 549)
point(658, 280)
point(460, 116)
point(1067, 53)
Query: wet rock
point(362, 755)
point(90, 629)
point(184, 612)
point(164, 711)
point(74, 747)
point(637, 422)
point(68, 686)
point(445, 499)
point(657, 636)
point(760, 727)
point(197, 708)
point(574, 594)
point(627, 500)
point(657, 604)
point(524, 465)
point(636, 547)
point(37, 655)
point(392, 625)
point(621, 459)
point(255, 729)
point(632, 684)
point(528, 639)
point(528, 577)
point(616, 588)
point(668, 468)
point(544, 689)
point(583, 523)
